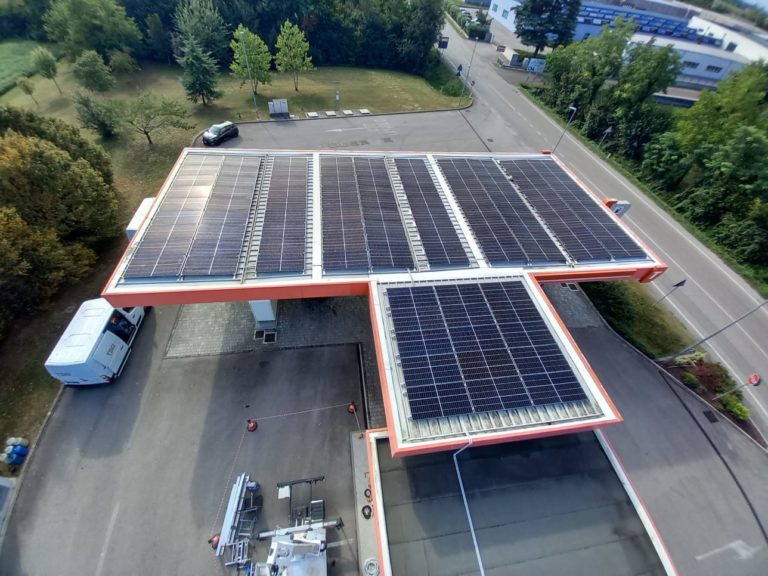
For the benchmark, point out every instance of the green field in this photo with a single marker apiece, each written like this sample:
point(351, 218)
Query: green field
point(14, 56)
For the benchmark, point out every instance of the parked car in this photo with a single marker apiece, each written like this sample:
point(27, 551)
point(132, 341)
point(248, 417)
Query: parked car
point(217, 133)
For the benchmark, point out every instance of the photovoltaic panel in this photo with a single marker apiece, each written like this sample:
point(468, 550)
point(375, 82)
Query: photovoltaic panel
point(470, 348)
point(284, 233)
point(344, 246)
point(388, 247)
point(165, 244)
point(218, 241)
point(508, 232)
point(438, 235)
point(362, 227)
point(583, 228)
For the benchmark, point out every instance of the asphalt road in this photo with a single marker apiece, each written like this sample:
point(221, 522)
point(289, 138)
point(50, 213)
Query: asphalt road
point(713, 296)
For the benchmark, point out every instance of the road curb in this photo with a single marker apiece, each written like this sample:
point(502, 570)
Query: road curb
point(466, 106)
point(20, 478)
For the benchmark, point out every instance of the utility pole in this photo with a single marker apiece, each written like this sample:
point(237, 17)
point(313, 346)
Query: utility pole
point(723, 329)
point(572, 109)
point(469, 68)
point(674, 287)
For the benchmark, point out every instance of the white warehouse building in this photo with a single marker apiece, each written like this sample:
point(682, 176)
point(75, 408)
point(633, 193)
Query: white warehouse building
point(709, 51)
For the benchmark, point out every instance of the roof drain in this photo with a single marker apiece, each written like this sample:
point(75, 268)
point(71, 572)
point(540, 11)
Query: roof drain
point(464, 497)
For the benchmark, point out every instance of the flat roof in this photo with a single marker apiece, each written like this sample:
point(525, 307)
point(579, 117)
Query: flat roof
point(409, 434)
point(194, 247)
point(547, 506)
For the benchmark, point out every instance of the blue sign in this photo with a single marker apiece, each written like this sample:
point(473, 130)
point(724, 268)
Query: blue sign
point(536, 65)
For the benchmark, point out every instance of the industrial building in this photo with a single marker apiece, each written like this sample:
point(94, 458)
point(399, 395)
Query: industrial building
point(708, 50)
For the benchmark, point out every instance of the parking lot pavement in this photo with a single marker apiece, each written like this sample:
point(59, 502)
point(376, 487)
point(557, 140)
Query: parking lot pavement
point(435, 131)
point(131, 478)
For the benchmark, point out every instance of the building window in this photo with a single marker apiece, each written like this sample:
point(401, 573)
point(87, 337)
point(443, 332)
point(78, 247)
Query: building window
point(689, 64)
point(495, 8)
point(504, 14)
point(714, 69)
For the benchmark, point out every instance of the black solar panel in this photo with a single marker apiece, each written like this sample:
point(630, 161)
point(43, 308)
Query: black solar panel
point(506, 229)
point(167, 241)
point(470, 348)
point(438, 235)
point(218, 240)
point(344, 245)
point(284, 233)
point(388, 246)
point(362, 228)
point(583, 228)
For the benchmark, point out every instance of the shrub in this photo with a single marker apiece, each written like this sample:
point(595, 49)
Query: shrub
point(91, 72)
point(101, 116)
point(733, 405)
point(690, 380)
point(121, 62)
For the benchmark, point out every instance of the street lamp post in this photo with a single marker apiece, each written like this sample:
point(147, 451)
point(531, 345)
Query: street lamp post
point(723, 329)
point(608, 131)
point(572, 109)
point(674, 287)
point(469, 69)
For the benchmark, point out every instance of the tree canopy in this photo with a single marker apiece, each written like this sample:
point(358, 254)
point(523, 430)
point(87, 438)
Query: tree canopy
point(99, 25)
point(148, 113)
point(542, 23)
point(44, 63)
point(252, 59)
point(92, 73)
point(59, 133)
point(292, 52)
point(51, 190)
point(34, 264)
point(199, 78)
point(199, 21)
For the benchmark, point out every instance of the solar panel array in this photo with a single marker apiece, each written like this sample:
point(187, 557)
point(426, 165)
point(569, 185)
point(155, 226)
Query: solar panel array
point(507, 230)
point(583, 228)
point(470, 348)
point(284, 233)
point(362, 227)
point(219, 238)
point(343, 232)
point(438, 234)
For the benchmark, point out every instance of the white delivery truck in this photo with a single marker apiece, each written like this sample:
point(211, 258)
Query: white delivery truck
point(96, 344)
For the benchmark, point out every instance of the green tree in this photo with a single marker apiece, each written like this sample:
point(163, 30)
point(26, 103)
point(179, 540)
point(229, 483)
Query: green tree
point(59, 133)
point(199, 78)
point(44, 63)
point(91, 72)
point(200, 21)
point(421, 28)
point(121, 62)
point(664, 162)
point(542, 23)
point(252, 58)
point(158, 40)
point(33, 266)
point(148, 113)
point(292, 52)
point(99, 25)
point(647, 69)
point(101, 116)
point(26, 86)
point(51, 190)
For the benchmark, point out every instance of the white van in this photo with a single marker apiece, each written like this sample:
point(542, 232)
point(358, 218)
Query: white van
point(96, 344)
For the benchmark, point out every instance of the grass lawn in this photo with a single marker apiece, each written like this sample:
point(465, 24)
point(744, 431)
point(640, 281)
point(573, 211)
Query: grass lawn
point(630, 309)
point(15, 59)
point(26, 391)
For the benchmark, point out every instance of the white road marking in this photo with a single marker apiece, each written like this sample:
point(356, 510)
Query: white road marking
point(105, 547)
point(345, 129)
point(743, 550)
